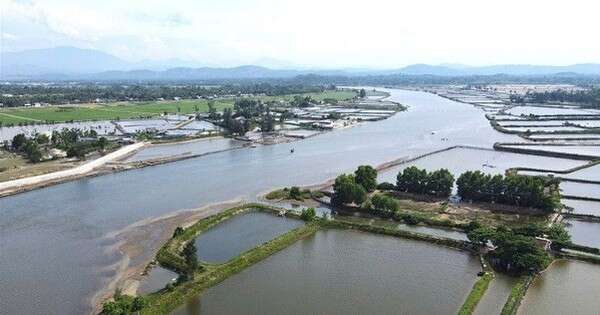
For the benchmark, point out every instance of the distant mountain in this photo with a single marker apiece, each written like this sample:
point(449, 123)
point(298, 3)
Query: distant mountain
point(63, 60)
point(61, 63)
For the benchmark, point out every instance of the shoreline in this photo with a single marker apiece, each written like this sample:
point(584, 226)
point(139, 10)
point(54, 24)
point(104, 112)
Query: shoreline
point(134, 244)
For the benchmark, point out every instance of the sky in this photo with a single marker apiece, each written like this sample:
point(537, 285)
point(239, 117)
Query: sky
point(312, 33)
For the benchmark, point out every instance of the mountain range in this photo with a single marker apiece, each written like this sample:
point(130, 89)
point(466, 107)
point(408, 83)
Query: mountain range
point(77, 63)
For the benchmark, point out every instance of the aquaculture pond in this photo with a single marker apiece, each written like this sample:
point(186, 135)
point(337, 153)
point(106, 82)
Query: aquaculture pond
point(593, 150)
point(496, 295)
point(185, 148)
point(566, 287)
point(544, 129)
point(459, 160)
point(589, 173)
point(583, 206)
point(346, 272)
point(241, 233)
point(535, 110)
point(580, 189)
point(584, 232)
point(156, 279)
point(101, 127)
point(57, 242)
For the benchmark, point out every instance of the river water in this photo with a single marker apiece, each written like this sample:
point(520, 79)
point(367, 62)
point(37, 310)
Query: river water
point(346, 272)
point(54, 242)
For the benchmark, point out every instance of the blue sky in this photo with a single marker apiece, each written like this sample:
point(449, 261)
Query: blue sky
point(319, 33)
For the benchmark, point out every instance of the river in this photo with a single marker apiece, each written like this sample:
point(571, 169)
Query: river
point(55, 244)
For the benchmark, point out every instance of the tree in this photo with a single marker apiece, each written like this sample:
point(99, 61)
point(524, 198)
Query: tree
point(440, 183)
point(480, 235)
point(362, 93)
point(347, 191)
point(412, 180)
point(212, 111)
point(190, 257)
point(295, 193)
point(517, 253)
point(18, 142)
point(383, 205)
point(102, 143)
point(268, 122)
point(308, 214)
point(32, 151)
point(366, 176)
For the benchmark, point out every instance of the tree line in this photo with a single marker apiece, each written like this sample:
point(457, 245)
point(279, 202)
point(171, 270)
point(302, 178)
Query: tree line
point(14, 95)
point(69, 140)
point(517, 190)
point(589, 97)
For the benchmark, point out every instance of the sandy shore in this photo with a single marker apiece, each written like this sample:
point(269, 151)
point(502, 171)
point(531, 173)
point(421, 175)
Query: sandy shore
point(138, 244)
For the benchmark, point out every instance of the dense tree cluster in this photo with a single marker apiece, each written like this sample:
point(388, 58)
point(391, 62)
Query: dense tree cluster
point(589, 97)
point(517, 190)
point(347, 191)
point(123, 305)
point(20, 94)
point(382, 206)
point(516, 250)
point(419, 181)
point(69, 140)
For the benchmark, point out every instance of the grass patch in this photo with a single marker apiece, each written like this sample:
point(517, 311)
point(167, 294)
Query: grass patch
point(293, 193)
point(476, 294)
point(132, 110)
point(516, 295)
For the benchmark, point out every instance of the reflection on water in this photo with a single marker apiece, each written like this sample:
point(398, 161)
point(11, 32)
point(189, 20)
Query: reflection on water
point(567, 287)
point(346, 272)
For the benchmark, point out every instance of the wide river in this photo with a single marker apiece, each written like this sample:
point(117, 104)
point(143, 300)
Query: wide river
point(54, 249)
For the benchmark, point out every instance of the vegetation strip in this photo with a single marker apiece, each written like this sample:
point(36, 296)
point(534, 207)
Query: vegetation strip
point(516, 295)
point(479, 289)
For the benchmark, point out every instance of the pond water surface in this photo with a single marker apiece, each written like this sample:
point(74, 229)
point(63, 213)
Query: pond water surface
point(346, 272)
point(566, 287)
point(241, 233)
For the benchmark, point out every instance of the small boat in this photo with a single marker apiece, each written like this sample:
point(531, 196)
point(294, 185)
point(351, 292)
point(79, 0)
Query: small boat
point(292, 151)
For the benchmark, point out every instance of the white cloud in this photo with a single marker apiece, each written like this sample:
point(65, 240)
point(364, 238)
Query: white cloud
point(326, 33)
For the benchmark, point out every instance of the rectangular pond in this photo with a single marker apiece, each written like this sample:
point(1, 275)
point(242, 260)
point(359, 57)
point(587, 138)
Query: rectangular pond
point(460, 160)
point(580, 189)
point(241, 233)
point(536, 110)
point(566, 287)
point(593, 150)
point(496, 295)
point(583, 206)
point(584, 232)
point(346, 272)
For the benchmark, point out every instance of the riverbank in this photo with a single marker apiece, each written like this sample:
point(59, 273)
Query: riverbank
point(25, 184)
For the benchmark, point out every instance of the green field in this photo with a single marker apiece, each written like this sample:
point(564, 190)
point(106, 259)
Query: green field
point(125, 110)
